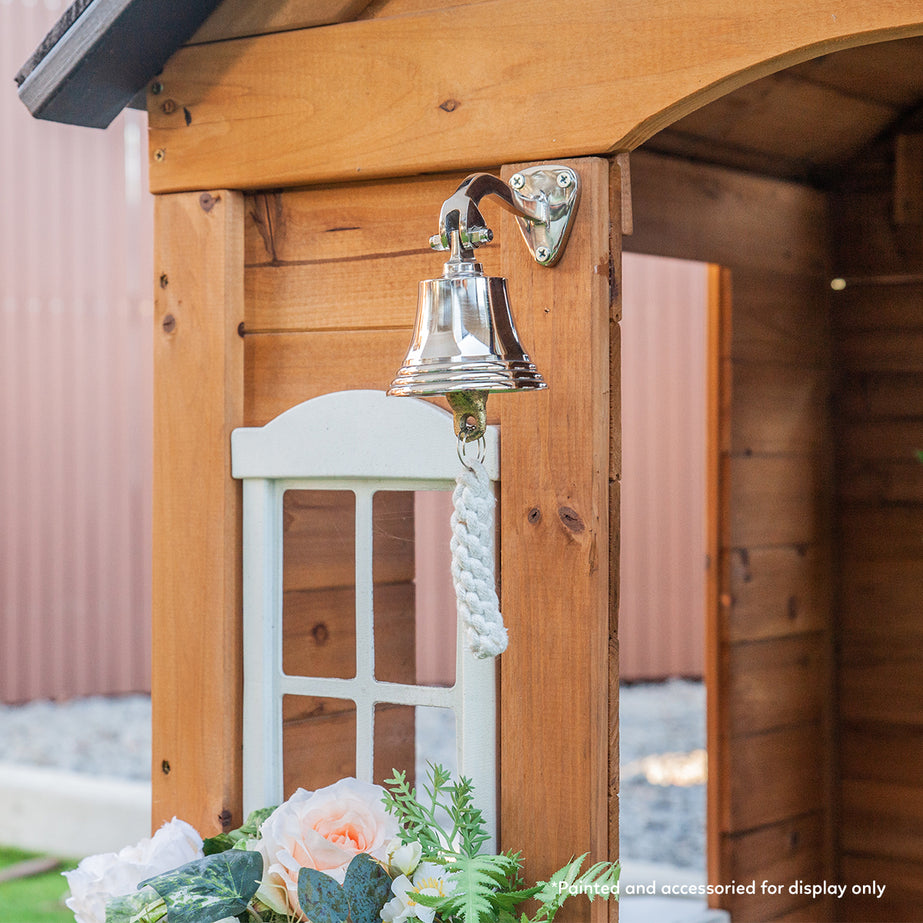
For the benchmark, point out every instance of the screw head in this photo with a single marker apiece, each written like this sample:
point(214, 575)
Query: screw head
point(156, 88)
point(542, 254)
point(517, 181)
point(159, 154)
point(565, 180)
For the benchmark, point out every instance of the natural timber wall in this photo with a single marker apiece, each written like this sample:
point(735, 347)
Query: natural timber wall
point(270, 299)
point(878, 325)
point(770, 701)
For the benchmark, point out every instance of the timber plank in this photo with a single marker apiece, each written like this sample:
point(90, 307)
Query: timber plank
point(778, 500)
point(774, 683)
point(296, 107)
point(881, 598)
point(700, 212)
point(284, 369)
point(888, 533)
point(781, 319)
point(778, 409)
point(882, 818)
point(880, 395)
point(775, 592)
point(781, 854)
point(903, 894)
point(355, 220)
point(349, 295)
point(786, 767)
point(823, 910)
point(555, 551)
point(881, 752)
point(237, 18)
point(867, 306)
point(198, 400)
point(882, 350)
point(880, 679)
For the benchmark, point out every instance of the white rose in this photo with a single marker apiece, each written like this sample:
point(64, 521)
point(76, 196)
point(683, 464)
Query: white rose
point(321, 830)
point(403, 858)
point(97, 879)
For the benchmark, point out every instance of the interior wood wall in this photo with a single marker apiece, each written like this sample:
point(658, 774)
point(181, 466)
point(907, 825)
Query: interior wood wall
point(878, 327)
point(770, 767)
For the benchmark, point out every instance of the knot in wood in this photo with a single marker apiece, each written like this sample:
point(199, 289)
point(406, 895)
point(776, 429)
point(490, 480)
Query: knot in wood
point(571, 519)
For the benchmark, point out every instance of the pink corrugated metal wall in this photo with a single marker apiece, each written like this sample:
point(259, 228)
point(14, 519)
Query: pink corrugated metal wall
point(75, 393)
point(662, 593)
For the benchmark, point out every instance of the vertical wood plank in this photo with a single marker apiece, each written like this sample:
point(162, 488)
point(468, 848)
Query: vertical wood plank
point(198, 400)
point(717, 515)
point(554, 745)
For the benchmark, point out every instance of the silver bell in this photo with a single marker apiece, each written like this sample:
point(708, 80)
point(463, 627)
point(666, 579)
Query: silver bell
point(464, 338)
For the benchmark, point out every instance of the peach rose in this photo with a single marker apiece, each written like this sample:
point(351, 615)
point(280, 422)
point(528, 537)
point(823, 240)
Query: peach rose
point(321, 830)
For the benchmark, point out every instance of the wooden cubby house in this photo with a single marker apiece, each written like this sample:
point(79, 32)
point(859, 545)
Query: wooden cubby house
point(299, 153)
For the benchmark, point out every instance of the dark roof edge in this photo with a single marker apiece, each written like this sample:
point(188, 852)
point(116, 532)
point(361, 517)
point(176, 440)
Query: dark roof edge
point(102, 53)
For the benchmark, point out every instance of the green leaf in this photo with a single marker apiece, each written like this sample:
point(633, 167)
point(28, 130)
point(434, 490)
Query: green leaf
point(210, 889)
point(552, 893)
point(479, 880)
point(236, 839)
point(124, 909)
point(368, 889)
point(322, 898)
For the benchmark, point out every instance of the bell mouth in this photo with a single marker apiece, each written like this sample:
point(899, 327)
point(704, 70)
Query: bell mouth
point(442, 376)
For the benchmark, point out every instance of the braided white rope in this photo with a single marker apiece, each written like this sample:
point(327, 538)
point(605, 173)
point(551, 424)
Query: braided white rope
point(473, 561)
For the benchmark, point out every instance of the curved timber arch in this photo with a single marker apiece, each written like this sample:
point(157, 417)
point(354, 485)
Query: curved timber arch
point(449, 88)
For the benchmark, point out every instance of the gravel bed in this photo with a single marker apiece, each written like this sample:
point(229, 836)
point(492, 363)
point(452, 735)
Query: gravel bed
point(662, 823)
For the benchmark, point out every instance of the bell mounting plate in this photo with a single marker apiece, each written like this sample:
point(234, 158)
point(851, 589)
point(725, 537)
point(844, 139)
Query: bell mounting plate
point(554, 192)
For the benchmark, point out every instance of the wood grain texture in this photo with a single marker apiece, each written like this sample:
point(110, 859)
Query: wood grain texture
point(555, 675)
point(199, 399)
point(781, 854)
point(772, 684)
point(295, 107)
point(777, 592)
point(763, 764)
point(903, 896)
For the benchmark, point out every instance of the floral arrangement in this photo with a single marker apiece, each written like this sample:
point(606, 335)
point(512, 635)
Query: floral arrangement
point(348, 853)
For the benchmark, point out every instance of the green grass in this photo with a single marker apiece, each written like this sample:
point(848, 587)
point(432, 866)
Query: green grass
point(39, 899)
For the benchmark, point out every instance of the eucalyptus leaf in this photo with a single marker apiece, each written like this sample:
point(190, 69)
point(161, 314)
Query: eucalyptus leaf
point(210, 889)
point(368, 889)
point(322, 898)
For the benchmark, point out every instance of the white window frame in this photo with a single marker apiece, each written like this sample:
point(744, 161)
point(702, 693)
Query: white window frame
point(364, 442)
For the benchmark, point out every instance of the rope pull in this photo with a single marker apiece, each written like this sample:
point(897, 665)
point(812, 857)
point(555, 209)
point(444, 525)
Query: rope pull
point(473, 560)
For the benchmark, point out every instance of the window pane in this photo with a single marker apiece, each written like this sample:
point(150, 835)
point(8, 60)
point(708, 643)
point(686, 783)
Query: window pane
point(319, 575)
point(408, 737)
point(415, 620)
point(318, 741)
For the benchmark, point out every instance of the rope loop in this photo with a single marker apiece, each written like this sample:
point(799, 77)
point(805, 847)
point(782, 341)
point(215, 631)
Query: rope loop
point(472, 546)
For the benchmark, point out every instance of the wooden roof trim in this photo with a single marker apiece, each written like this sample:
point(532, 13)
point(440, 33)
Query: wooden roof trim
point(424, 102)
point(101, 54)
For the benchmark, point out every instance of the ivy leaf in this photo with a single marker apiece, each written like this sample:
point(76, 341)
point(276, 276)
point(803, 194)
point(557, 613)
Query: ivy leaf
point(122, 909)
point(322, 898)
point(235, 839)
point(368, 888)
point(210, 889)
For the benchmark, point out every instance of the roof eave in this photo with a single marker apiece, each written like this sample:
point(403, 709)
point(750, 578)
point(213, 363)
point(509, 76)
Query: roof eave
point(106, 57)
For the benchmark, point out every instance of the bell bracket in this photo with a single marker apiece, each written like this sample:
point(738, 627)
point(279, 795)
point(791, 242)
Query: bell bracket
point(542, 198)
